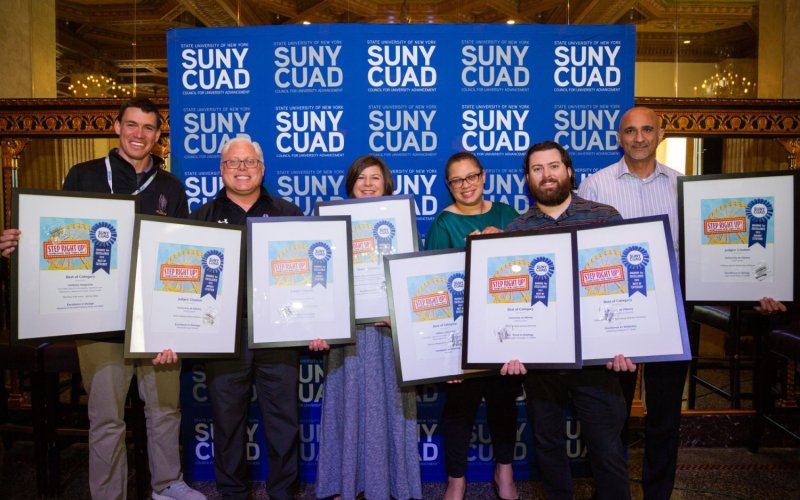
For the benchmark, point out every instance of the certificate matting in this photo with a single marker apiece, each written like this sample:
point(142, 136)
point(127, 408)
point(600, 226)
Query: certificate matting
point(630, 299)
point(185, 283)
point(520, 301)
point(300, 284)
point(381, 226)
point(737, 236)
point(426, 303)
point(70, 271)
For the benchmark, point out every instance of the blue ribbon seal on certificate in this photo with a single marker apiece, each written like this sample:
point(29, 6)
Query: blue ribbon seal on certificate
point(759, 211)
point(320, 254)
point(635, 259)
point(383, 231)
point(455, 285)
point(541, 269)
point(103, 235)
point(212, 267)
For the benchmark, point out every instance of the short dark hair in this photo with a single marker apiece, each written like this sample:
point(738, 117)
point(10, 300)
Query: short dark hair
point(546, 146)
point(358, 166)
point(143, 103)
point(463, 155)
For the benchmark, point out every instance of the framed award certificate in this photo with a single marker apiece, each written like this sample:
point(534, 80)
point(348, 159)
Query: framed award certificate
point(185, 283)
point(381, 226)
point(738, 236)
point(630, 298)
point(70, 271)
point(521, 301)
point(300, 281)
point(426, 304)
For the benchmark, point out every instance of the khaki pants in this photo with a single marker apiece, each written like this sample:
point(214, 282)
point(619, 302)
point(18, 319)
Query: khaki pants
point(106, 378)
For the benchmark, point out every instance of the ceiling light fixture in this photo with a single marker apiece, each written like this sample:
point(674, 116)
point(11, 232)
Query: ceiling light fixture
point(96, 85)
point(726, 82)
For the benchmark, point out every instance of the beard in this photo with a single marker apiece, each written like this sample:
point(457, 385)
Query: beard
point(554, 197)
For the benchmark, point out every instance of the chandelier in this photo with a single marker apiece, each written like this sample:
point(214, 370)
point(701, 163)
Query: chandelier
point(727, 81)
point(96, 85)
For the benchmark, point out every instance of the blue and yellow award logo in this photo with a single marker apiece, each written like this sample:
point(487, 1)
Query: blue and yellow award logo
point(431, 299)
point(295, 263)
point(189, 269)
point(373, 239)
point(615, 270)
point(520, 279)
point(737, 221)
point(71, 244)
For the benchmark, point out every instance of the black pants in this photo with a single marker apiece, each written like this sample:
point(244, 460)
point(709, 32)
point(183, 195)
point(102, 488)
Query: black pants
point(458, 416)
point(275, 374)
point(600, 407)
point(663, 384)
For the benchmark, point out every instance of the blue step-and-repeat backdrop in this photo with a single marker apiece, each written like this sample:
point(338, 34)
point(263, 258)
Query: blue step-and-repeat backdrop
point(316, 97)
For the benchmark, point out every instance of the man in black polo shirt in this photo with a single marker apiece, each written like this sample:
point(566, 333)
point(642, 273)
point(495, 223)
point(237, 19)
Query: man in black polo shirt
point(274, 371)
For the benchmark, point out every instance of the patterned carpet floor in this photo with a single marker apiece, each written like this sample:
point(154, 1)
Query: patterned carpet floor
point(714, 473)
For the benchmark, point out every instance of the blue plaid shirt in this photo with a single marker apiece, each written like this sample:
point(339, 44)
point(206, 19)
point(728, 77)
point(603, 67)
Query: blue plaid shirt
point(578, 213)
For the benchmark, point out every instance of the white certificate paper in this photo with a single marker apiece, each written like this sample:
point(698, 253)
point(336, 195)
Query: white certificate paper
point(521, 304)
point(72, 266)
point(78, 264)
point(380, 226)
point(737, 241)
point(738, 236)
point(614, 299)
point(300, 281)
point(427, 302)
point(297, 289)
point(630, 302)
point(520, 301)
point(437, 318)
point(186, 293)
point(185, 288)
point(369, 282)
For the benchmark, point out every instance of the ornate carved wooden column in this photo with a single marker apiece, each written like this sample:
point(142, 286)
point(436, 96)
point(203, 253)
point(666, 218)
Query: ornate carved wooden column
point(792, 146)
point(162, 148)
point(11, 149)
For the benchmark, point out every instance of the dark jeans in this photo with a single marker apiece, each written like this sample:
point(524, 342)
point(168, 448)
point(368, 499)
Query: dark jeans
point(458, 416)
point(275, 374)
point(663, 384)
point(600, 407)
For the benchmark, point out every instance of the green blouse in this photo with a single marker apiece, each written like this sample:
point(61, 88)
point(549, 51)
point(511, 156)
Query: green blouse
point(450, 230)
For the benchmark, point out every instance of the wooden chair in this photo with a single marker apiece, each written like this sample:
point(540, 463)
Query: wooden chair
point(776, 402)
point(739, 322)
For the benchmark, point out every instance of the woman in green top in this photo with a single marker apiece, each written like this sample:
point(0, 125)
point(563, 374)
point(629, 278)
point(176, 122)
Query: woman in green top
point(472, 214)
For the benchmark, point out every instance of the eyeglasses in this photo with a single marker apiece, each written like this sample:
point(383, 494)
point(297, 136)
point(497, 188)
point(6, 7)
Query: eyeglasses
point(470, 179)
point(234, 164)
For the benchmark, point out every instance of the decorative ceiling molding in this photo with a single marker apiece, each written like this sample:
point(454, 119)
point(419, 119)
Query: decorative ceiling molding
point(100, 32)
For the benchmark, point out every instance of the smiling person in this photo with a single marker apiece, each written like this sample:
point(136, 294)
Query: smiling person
point(368, 433)
point(130, 169)
point(273, 371)
point(638, 186)
point(594, 391)
point(469, 214)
